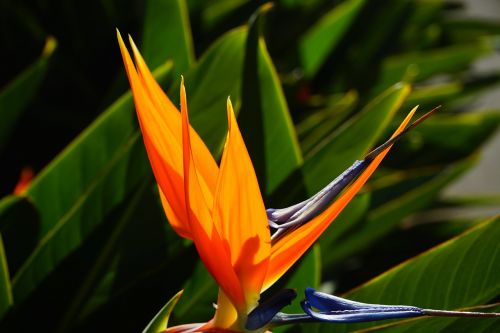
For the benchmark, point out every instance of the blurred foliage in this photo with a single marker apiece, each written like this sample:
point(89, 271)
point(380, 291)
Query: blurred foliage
point(86, 246)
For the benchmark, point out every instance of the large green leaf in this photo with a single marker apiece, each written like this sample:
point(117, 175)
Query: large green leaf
point(429, 96)
point(15, 96)
point(324, 35)
point(458, 273)
point(442, 324)
point(137, 249)
point(100, 264)
point(452, 94)
point(200, 292)
point(346, 222)
point(468, 130)
point(216, 12)
point(319, 124)
point(377, 30)
point(160, 321)
point(6, 300)
point(387, 216)
point(74, 193)
point(207, 93)
point(19, 226)
point(264, 118)
point(167, 35)
point(417, 66)
point(430, 143)
point(306, 274)
point(339, 150)
point(420, 30)
point(470, 29)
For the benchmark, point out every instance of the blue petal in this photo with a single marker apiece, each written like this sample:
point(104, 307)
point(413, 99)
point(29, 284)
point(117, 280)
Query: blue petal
point(267, 310)
point(298, 214)
point(340, 310)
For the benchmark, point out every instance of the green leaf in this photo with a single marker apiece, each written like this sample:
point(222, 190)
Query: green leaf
point(469, 131)
point(207, 93)
point(346, 222)
point(306, 274)
point(15, 97)
point(7, 204)
point(167, 35)
point(353, 139)
point(430, 143)
point(74, 192)
point(6, 299)
point(442, 324)
point(123, 264)
point(417, 66)
point(101, 262)
point(319, 124)
point(421, 29)
point(200, 291)
point(470, 29)
point(19, 226)
point(458, 273)
point(429, 96)
point(379, 29)
point(160, 321)
point(318, 42)
point(387, 216)
point(216, 12)
point(264, 118)
point(468, 200)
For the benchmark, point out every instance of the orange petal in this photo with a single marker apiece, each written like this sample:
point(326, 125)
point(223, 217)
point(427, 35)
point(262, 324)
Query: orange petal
point(213, 251)
point(163, 147)
point(292, 246)
point(160, 123)
point(240, 211)
point(207, 167)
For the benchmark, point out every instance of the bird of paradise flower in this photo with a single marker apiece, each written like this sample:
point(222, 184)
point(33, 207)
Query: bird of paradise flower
point(221, 210)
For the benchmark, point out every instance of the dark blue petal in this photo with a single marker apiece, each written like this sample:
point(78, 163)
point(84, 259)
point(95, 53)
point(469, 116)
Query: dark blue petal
point(357, 316)
point(320, 200)
point(326, 302)
point(336, 309)
point(267, 310)
point(294, 216)
point(280, 215)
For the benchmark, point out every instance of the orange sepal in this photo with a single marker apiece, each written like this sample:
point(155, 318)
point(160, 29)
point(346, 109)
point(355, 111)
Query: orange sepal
point(213, 250)
point(160, 123)
point(240, 211)
point(207, 167)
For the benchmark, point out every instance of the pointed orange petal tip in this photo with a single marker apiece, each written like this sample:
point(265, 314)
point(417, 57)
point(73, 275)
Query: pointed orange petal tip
point(183, 96)
point(230, 113)
point(135, 50)
point(412, 112)
point(183, 90)
point(120, 40)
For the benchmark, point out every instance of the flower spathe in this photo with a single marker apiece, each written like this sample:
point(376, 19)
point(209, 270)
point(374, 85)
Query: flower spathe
point(221, 208)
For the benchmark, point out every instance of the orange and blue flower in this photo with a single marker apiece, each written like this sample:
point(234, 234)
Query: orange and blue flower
point(221, 210)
